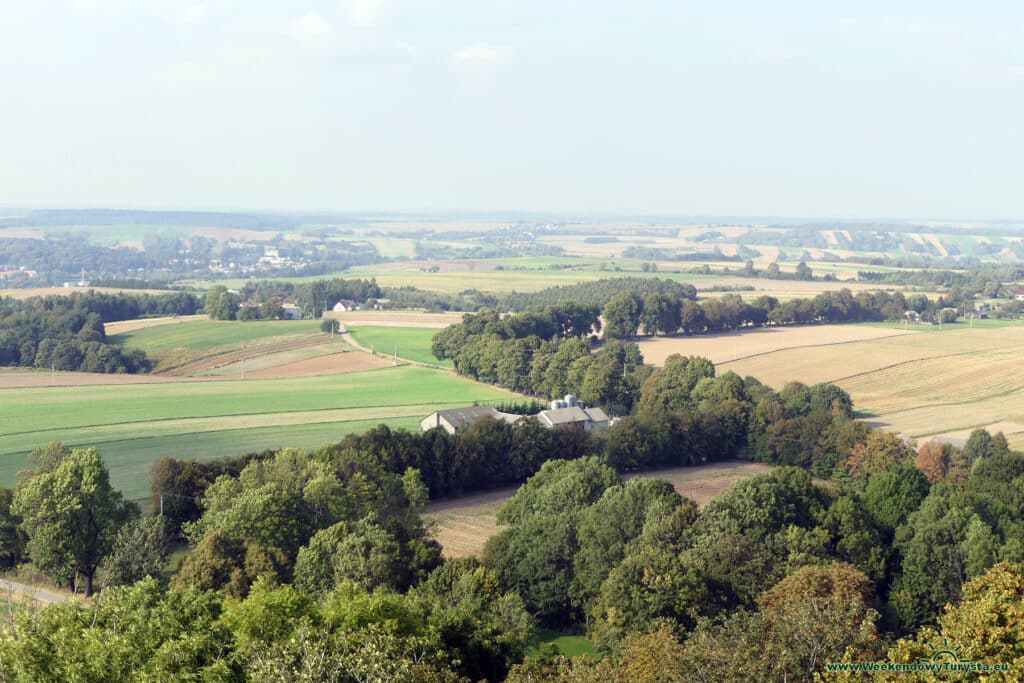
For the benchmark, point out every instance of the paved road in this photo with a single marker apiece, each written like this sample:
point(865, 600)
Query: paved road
point(40, 594)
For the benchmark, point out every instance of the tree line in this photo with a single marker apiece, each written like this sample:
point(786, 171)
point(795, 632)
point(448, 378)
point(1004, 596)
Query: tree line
point(67, 332)
point(548, 351)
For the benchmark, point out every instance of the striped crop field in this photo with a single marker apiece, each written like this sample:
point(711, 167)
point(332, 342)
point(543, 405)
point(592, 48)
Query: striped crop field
point(921, 383)
point(135, 424)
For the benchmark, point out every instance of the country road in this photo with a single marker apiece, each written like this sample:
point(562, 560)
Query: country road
point(38, 594)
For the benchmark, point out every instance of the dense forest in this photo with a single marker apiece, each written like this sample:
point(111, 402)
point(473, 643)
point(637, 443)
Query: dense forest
point(316, 566)
point(67, 333)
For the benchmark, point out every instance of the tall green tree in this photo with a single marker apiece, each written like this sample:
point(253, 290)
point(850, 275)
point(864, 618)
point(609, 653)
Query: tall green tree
point(670, 387)
point(140, 549)
point(622, 316)
point(71, 515)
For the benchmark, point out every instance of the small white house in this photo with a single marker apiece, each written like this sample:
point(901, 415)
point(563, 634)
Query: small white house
point(346, 305)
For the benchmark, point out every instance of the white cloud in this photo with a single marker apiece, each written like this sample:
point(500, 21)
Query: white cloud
point(367, 13)
point(480, 53)
point(309, 25)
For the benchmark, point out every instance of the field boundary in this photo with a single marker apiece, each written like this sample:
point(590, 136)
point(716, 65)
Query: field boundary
point(219, 360)
point(275, 412)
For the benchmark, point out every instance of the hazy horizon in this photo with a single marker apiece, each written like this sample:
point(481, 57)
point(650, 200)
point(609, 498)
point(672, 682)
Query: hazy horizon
point(561, 108)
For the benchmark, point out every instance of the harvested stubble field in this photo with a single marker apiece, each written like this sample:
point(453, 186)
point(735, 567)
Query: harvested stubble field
point(730, 346)
point(135, 424)
point(424, 319)
point(462, 526)
point(920, 383)
point(126, 326)
point(29, 292)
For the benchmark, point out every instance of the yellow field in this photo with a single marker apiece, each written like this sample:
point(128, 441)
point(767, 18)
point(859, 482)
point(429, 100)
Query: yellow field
point(395, 318)
point(124, 326)
point(732, 346)
point(64, 291)
point(920, 383)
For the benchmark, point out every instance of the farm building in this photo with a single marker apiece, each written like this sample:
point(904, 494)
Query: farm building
point(1017, 293)
point(450, 420)
point(346, 305)
point(589, 418)
point(291, 312)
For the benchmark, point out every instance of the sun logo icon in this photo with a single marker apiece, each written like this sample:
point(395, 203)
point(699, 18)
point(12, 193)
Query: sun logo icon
point(947, 653)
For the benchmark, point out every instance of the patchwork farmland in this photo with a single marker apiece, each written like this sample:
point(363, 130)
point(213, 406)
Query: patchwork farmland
point(301, 389)
point(921, 383)
point(133, 425)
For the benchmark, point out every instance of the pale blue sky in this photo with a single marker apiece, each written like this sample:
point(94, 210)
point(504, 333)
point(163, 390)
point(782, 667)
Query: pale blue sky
point(898, 109)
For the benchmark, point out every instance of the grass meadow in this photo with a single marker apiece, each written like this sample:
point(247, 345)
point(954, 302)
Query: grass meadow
point(133, 425)
point(203, 335)
point(569, 644)
point(411, 342)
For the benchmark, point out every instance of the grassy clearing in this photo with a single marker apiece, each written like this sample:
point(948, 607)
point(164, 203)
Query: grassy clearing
point(411, 342)
point(569, 644)
point(136, 424)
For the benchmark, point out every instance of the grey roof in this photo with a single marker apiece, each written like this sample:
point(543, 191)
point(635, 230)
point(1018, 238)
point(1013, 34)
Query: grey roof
point(464, 416)
point(561, 416)
point(596, 414)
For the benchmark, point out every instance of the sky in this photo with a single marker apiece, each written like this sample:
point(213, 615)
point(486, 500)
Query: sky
point(847, 110)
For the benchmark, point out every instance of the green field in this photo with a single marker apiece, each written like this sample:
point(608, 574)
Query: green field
point(412, 343)
point(133, 425)
point(208, 334)
point(568, 644)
